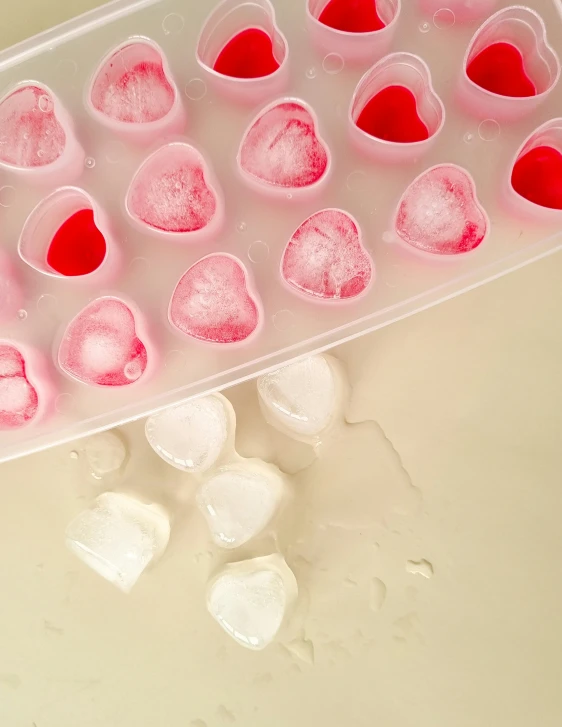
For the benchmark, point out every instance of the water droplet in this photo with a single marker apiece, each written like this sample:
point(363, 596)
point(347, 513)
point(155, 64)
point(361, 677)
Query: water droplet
point(47, 305)
point(173, 24)
point(175, 360)
point(105, 454)
point(311, 73)
point(333, 63)
point(40, 153)
point(289, 196)
point(258, 252)
point(489, 129)
point(283, 320)
point(241, 226)
point(114, 152)
point(468, 137)
point(420, 568)
point(132, 370)
point(22, 314)
point(45, 104)
point(64, 403)
point(444, 18)
point(90, 162)
point(7, 196)
point(26, 137)
point(74, 454)
point(425, 27)
point(67, 68)
point(388, 237)
point(378, 594)
point(357, 181)
point(196, 89)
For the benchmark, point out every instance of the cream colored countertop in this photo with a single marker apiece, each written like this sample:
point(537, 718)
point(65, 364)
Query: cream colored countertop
point(469, 395)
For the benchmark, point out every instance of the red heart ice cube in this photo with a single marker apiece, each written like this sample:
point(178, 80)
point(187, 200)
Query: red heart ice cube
point(30, 132)
point(537, 176)
point(500, 68)
point(132, 87)
point(19, 401)
point(78, 247)
point(392, 115)
point(282, 148)
point(213, 301)
point(171, 193)
point(249, 54)
point(352, 16)
point(101, 345)
point(440, 213)
point(325, 257)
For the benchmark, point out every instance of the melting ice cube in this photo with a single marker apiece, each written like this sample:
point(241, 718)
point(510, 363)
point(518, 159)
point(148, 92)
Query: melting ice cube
point(240, 501)
point(304, 399)
point(192, 435)
point(252, 598)
point(118, 537)
point(105, 453)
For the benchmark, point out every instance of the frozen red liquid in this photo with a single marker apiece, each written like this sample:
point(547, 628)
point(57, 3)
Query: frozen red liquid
point(30, 134)
point(133, 93)
point(500, 68)
point(352, 16)
point(325, 257)
point(170, 192)
point(78, 247)
point(249, 54)
point(439, 213)
point(537, 176)
point(212, 301)
point(282, 148)
point(19, 401)
point(392, 115)
point(101, 345)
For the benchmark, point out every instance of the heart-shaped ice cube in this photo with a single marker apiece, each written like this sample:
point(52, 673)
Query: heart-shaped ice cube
point(101, 346)
point(282, 150)
point(252, 598)
point(304, 399)
point(325, 257)
point(193, 436)
point(240, 501)
point(68, 235)
point(175, 194)
point(439, 212)
point(509, 68)
point(359, 16)
point(19, 399)
point(133, 92)
point(242, 51)
point(214, 301)
point(395, 114)
point(38, 136)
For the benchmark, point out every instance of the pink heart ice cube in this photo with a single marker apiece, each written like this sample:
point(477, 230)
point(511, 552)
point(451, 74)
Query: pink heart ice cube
point(214, 302)
point(101, 346)
point(325, 257)
point(440, 213)
point(282, 149)
point(174, 193)
point(31, 134)
point(19, 401)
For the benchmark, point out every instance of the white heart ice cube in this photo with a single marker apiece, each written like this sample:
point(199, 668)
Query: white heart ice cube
point(240, 501)
point(118, 537)
point(252, 598)
point(192, 436)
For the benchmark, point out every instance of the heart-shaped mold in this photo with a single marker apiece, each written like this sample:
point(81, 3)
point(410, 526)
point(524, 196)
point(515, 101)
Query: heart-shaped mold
point(38, 140)
point(175, 195)
point(395, 115)
point(215, 302)
point(24, 390)
point(195, 435)
point(282, 152)
point(360, 31)
point(509, 68)
point(240, 501)
point(134, 94)
point(439, 213)
point(464, 11)
point(106, 345)
point(252, 599)
point(11, 295)
point(325, 258)
point(68, 235)
point(242, 51)
point(535, 183)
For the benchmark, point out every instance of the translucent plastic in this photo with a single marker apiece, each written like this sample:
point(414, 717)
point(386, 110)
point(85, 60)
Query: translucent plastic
point(37, 306)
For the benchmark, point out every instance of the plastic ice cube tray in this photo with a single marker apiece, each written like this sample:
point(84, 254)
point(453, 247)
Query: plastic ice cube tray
point(64, 80)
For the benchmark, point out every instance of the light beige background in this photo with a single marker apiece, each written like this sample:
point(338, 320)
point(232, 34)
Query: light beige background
point(469, 394)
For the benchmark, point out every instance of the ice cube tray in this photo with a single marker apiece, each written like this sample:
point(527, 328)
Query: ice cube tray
point(208, 114)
